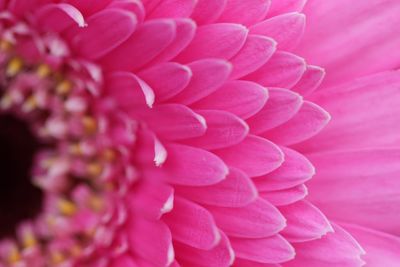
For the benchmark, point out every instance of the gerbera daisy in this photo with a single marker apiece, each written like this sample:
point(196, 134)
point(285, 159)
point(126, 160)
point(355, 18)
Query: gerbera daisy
point(177, 133)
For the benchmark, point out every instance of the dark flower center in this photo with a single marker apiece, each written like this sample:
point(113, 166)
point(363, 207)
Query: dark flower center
point(19, 198)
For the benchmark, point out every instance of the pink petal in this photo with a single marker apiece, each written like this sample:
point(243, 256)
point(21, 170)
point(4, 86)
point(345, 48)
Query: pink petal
point(88, 7)
point(334, 249)
point(174, 121)
point(285, 196)
point(242, 98)
point(184, 33)
point(247, 263)
point(359, 186)
point(236, 190)
point(282, 70)
point(255, 11)
point(123, 261)
point(223, 130)
point(365, 113)
point(382, 249)
point(285, 6)
point(58, 17)
point(286, 29)
point(142, 46)
point(221, 255)
point(295, 170)
point(220, 40)
point(208, 75)
point(192, 166)
point(256, 220)
point(142, 233)
point(134, 6)
point(151, 199)
point(150, 4)
point(281, 106)
point(172, 9)
point(207, 11)
point(128, 91)
point(109, 28)
point(256, 51)
point(304, 222)
point(166, 79)
point(274, 249)
point(310, 81)
point(306, 123)
point(192, 225)
point(371, 35)
point(21, 7)
point(255, 156)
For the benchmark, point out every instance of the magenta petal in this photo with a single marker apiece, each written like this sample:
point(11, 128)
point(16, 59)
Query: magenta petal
point(254, 155)
point(208, 75)
point(282, 70)
point(364, 48)
point(286, 29)
point(256, 51)
point(123, 261)
point(284, 6)
point(88, 7)
point(134, 6)
point(274, 249)
point(285, 196)
point(242, 98)
point(142, 46)
point(58, 17)
point(304, 222)
point(256, 220)
point(174, 121)
point(382, 249)
point(223, 130)
point(310, 81)
point(295, 170)
point(306, 123)
point(359, 187)
point(281, 106)
point(184, 34)
point(142, 233)
point(110, 28)
point(220, 255)
point(207, 11)
point(220, 40)
point(172, 9)
point(236, 190)
point(166, 79)
point(192, 225)
point(334, 249)
point(255, 11)
point(151, 199)
point(192, 166)
point(365, 113)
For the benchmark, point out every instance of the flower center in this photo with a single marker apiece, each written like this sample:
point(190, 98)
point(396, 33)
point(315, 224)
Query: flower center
point(19, 199)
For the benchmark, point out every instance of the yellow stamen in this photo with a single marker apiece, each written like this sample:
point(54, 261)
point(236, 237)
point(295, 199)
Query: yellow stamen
point(14, 256)
point(64, 87)
point(75, 149)
point(89, 124)
point(67, 207)
point(5, 45)
point(43, 70)
point(76, 250)
point(30, 104)
point(96, 203)
point(14, 66)
point(57, 257)
point(29, 240)
point(109, 155)
point(94, 169)
point(6, 101)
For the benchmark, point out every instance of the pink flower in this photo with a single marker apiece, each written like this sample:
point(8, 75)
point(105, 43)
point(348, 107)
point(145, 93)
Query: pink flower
point(181, 133)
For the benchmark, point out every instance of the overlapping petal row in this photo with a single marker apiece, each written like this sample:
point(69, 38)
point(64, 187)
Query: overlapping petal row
point(213, 96)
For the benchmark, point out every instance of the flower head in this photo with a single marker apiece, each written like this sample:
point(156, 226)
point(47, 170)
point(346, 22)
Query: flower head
point(162, 133)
